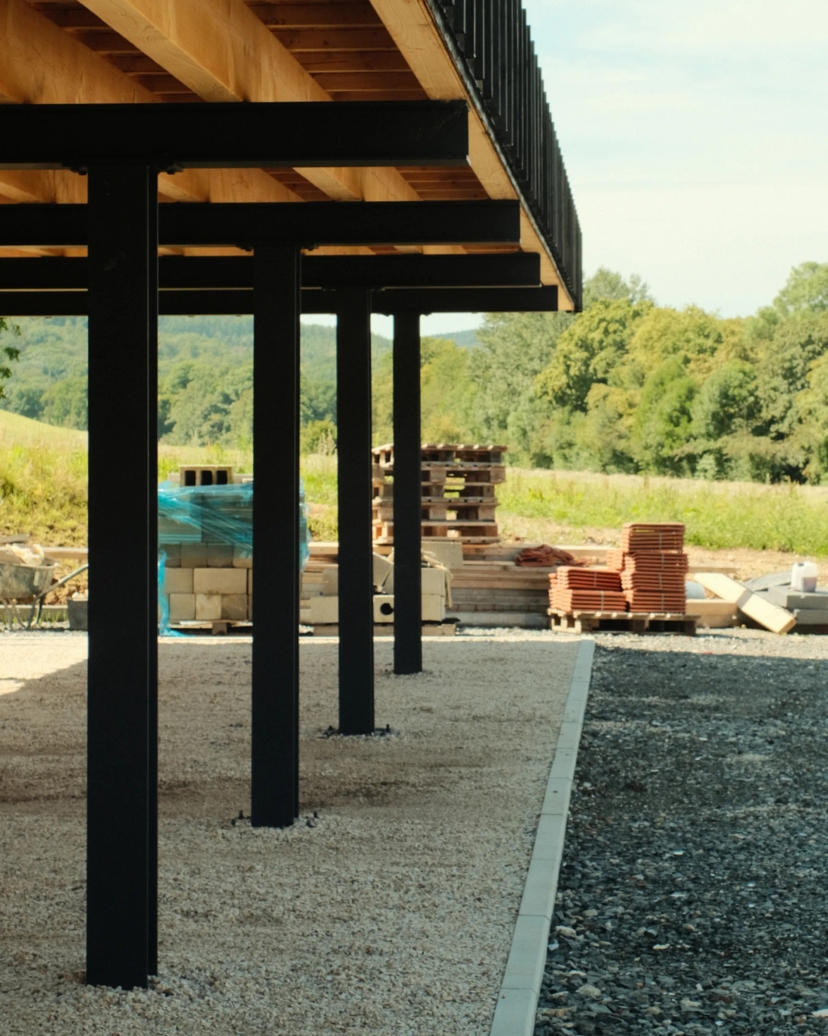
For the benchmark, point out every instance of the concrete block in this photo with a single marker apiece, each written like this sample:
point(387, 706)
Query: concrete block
point(207, 607)
point(242, 558)
point(524, 968)
point(382, 568)
point(250, 606)
point(433, 581)
point(515, 1014)
point(220, 581)
point(234, 606)
point(173, 554)
point(322, 610)
point(193, 555)
point(178, 580)
point(330, 580)
point(434, 608)
point(785, 597)
point(220, 555)
point(811, 617)
point(448, 553)
point(250, 580)
point(182, 607)
point(383, 608)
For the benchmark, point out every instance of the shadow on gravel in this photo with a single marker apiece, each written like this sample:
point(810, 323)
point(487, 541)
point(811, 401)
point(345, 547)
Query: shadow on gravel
point(692, 898)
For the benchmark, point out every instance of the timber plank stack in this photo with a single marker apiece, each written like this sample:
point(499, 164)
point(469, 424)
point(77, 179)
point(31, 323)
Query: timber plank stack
point(458, 494)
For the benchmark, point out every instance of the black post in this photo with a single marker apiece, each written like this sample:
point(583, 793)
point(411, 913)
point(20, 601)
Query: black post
point(408, 623)
point(123, 630)
point(274, 791)
point(356, 575)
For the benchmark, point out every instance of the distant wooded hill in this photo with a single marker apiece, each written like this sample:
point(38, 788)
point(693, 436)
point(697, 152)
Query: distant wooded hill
point(211, 354)
point(625, 386)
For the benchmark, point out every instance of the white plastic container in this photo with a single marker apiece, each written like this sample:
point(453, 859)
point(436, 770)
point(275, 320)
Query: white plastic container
point(804, 577)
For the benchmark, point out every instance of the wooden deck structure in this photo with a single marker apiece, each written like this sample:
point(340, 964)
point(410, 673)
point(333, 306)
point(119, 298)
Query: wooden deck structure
point(273, 158)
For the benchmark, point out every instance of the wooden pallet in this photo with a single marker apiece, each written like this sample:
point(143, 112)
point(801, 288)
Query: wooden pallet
point(621, 622)
point(463, 531)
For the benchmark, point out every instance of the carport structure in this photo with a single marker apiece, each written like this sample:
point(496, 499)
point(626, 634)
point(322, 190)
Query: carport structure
point(439, 111)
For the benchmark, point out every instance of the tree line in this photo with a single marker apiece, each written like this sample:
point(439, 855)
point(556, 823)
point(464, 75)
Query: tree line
point(625, 386)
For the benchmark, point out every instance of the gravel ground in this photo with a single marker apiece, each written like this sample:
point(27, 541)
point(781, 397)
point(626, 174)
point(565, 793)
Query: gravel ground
point(390, 913)
point(692, 895)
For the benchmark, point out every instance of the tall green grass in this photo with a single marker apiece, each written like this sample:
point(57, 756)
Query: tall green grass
point(717, 515)
point(43, 492)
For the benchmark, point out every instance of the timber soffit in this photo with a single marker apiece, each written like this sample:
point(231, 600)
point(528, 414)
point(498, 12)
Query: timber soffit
point(345, 49)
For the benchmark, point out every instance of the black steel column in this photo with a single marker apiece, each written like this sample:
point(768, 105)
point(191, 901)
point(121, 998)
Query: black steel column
point(356, 575)
point(123, 628)
point(408, 623)
point(152, 518)
point(274, 791)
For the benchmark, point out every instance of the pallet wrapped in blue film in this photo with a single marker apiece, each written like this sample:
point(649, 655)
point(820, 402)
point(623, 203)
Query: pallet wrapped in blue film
point(214, 518)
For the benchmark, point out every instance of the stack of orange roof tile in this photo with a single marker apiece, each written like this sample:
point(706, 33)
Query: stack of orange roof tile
point(653, 566)
point(586, 589)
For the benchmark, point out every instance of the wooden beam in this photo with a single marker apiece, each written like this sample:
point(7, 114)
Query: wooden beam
point(223, 52)
point(412, 28)
point(308, 16)
point(32, 43)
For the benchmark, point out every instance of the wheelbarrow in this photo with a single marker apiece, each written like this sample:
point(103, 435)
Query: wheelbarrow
point(29, 584)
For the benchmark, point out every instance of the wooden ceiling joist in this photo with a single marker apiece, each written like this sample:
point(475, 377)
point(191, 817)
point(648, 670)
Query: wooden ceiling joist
point(77, 76)
point(209, 47)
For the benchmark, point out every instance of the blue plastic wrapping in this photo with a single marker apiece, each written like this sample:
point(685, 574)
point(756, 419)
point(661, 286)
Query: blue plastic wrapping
point(212, 515)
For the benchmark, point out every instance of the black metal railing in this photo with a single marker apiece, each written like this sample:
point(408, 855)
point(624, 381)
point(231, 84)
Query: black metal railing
point(492, 45)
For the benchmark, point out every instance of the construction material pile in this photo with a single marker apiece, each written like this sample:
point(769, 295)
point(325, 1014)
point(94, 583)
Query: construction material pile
point(458, 496)
point(652, 566)
point(586, 589)
point(205, 539)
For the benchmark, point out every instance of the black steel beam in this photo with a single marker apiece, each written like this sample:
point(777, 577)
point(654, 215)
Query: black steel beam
point(309, 223)
point(122, 668)
point(230, 135)
point(356, 576)
point(516, 269)
point(275, 670)
point(408, 645)
point(354, 223)
point(236, 301)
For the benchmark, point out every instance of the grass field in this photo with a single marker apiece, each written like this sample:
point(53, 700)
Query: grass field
point(43, 472)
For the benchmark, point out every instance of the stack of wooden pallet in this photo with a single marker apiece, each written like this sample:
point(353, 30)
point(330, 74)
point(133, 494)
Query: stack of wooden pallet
point(458, 494)
point(653, 566)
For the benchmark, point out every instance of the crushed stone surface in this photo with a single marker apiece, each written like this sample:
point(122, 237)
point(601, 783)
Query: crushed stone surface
point(388, 908)
point(692, 898)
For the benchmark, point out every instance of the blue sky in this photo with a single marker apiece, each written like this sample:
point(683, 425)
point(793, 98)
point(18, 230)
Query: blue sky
point(695, 136)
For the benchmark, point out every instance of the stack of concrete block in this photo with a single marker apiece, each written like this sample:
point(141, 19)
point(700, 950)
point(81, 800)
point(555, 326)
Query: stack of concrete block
point(433, 597)
point(320, 593)
point(809, 609)
point(208, 582)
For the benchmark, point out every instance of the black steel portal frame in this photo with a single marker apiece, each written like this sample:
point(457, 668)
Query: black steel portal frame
point(122, 148)
point(231, 135)
point(122, 702)
point(353, 447)
point(274, 783)
point(492, 46)
point(408, 623)
point(357, 223)
point(236, 302)
point(518, 269)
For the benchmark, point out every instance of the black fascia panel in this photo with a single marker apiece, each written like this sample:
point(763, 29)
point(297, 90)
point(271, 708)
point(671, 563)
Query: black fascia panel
point(240, 302)
point(517, 269)
point(303, 223)
point(348, 223)
point(228, 135)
